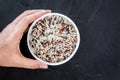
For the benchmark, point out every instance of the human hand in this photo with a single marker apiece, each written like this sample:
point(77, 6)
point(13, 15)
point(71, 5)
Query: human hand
point(10, 55)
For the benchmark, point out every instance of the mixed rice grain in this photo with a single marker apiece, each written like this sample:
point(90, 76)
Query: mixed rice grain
point(53, 39)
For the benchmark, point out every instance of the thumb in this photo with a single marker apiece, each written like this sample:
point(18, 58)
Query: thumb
point(30, 63)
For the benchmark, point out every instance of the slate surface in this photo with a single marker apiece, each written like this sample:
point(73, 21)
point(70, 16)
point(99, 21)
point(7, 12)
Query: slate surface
point(98, 57)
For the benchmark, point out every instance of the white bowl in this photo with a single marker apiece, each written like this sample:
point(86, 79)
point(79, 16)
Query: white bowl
point(73, 53)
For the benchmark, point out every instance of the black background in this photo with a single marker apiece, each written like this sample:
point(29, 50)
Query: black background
point(98, 56)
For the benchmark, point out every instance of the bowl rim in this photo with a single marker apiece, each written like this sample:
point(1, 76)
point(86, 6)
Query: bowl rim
point(77, 44)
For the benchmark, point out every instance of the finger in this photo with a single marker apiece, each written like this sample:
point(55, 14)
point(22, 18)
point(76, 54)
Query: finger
point(30, 63)
point(25, 13)
point(19, 18)
point(25, 21)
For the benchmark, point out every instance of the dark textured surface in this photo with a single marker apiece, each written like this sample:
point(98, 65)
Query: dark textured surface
point(98, 57)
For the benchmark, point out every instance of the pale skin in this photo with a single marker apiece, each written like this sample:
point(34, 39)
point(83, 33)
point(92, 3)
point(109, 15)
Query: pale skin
point(10, 54)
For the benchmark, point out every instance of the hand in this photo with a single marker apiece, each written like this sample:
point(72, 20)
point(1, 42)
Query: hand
point(10, 55)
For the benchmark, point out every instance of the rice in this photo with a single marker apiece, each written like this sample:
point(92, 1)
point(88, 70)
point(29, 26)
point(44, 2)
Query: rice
point(53, 39)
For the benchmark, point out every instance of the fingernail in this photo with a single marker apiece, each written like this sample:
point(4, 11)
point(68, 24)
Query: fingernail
point(41, 10)
point(44, 11)
point(44, 66)
point(48, 10)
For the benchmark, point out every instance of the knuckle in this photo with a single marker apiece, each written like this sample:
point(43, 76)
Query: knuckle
point(27, 11)
point(33, 67)
point(26, 19)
